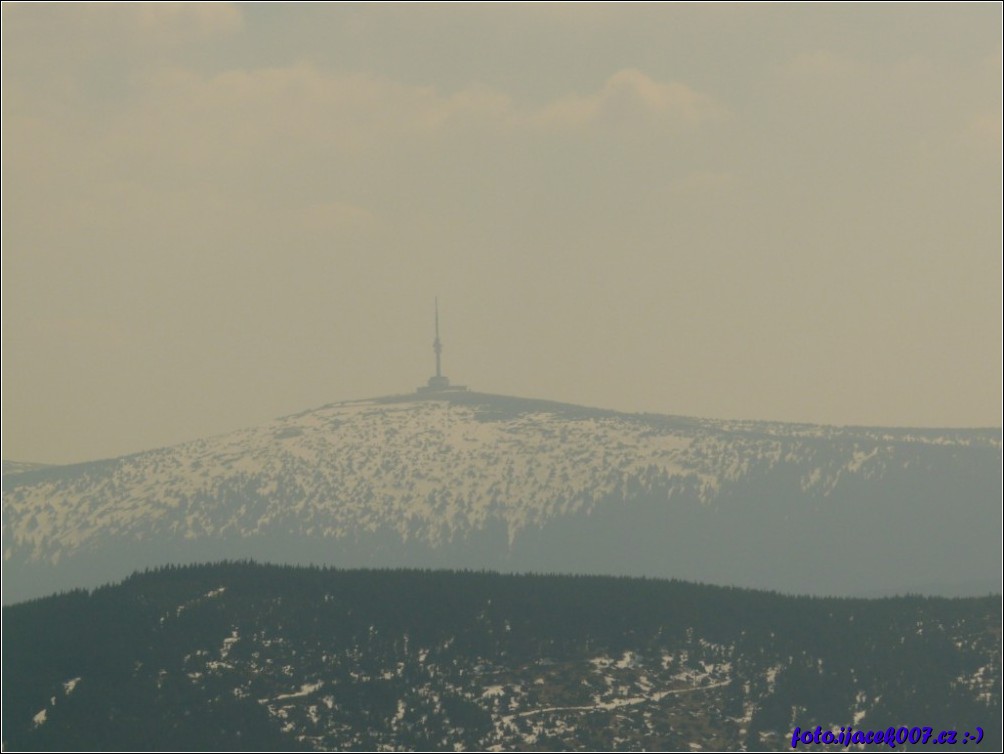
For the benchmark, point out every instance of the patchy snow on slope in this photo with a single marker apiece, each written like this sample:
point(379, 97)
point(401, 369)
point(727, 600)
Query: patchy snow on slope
point(430, 470)
point(228, 644)
point(305, 690)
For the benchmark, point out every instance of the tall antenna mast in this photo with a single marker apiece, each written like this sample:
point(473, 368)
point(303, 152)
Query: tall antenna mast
point(437, 346)
point(438, 381)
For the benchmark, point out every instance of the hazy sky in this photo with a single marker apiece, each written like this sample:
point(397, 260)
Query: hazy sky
point(214, 215)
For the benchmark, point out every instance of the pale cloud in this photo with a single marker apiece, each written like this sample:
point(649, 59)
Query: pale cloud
point(244, 109)
point(867, 110)
point(183, 123)
point(186, 19)
point(53, 38)
point(254, 114)
point(632, 94)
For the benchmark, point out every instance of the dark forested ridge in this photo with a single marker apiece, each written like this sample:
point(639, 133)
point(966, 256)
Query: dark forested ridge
point(243, 656)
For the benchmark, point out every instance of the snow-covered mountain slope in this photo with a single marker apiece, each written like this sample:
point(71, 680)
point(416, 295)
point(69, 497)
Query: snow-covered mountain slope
point(474, 480)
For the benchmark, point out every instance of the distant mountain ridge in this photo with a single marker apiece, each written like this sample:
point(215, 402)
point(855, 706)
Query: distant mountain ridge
point(473, 480)
point(19, 467)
